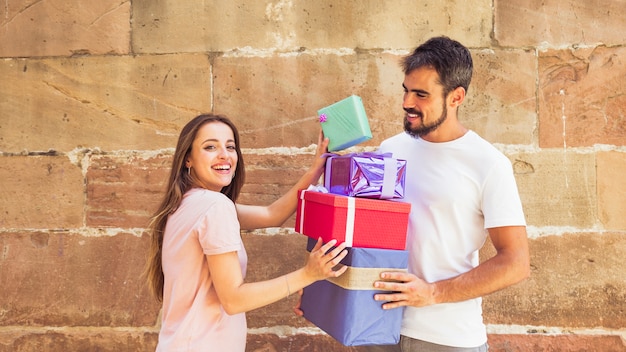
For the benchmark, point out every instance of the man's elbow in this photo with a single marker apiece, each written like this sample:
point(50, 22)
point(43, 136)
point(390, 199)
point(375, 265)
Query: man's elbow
point(522, 271)
point(524, 274)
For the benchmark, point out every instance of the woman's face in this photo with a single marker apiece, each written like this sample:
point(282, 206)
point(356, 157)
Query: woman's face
point(213, 156)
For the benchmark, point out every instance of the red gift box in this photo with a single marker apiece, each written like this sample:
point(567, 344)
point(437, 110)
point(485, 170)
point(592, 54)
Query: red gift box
point(360, 222)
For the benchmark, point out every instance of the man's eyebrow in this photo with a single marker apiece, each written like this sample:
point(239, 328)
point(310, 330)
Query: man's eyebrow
point(418, 91)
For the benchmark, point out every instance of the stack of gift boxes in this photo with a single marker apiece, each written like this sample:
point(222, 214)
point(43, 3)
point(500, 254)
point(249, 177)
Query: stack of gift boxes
point(355, 206)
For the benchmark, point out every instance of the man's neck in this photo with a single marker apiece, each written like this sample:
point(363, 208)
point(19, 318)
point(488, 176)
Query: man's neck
point(448, 131)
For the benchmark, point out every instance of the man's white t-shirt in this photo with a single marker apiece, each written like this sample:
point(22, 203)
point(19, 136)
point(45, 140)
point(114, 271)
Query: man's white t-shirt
point(457, 190)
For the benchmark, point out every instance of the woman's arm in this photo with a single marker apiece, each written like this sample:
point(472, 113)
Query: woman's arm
point(256, 217)
point(236, 296)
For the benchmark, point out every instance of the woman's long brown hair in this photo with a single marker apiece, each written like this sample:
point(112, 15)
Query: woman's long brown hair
point(180, 182)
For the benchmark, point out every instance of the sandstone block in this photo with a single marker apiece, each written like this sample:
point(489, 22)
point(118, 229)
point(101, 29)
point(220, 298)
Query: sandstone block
point(171, 26)
point(501, 106)
point(576, 280)
point(67, 279)
point(96, 339)
point(563, 182)
point(501, 101)
point(557, 23)
point(582, 99)
point(112, 103)
point(125, 191)
point(536, 341)
point(64, 28)
point(41, 192)
point(286, 93)
point(612, 190)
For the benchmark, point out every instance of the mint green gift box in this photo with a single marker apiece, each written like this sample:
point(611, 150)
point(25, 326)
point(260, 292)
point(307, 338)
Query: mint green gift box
point(345, 123)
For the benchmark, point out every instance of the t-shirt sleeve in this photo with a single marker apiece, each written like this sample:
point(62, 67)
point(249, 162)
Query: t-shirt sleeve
point(218, 231)
point(501, 201)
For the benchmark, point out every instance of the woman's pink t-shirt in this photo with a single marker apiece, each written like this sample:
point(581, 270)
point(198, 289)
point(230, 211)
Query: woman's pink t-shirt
point(193, 318)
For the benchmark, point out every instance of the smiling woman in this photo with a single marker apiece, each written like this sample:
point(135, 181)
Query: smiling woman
point(197, 262)
point(213, 159)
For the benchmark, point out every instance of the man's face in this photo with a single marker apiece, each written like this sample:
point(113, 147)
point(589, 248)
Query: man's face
point(423, 102)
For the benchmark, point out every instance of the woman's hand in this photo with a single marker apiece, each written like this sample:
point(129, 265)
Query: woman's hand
point(319, 161)
point(323, 259)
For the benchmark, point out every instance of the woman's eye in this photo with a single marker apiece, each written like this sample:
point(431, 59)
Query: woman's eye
point(231, 147)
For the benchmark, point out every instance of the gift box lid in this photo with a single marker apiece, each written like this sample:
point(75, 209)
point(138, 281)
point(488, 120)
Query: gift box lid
point(345, 123)
point(371, 257)
point(341, 201)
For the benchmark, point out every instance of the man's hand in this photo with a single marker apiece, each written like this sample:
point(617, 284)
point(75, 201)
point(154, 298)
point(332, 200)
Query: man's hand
point(408, 290)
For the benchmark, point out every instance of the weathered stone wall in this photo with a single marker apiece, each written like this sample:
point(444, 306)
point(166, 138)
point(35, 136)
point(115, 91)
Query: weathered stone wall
point(94, 93)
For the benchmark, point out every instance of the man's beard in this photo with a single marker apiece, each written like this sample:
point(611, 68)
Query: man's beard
point(423, 129)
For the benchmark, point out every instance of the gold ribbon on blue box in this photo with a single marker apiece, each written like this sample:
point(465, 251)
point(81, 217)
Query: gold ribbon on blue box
point(345, 123)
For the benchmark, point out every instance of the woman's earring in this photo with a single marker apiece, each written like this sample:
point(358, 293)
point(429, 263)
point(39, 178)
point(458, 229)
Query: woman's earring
point(189, 171)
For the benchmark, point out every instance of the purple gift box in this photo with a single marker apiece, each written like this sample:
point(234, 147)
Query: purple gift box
point(365, 175)
point(345, 308)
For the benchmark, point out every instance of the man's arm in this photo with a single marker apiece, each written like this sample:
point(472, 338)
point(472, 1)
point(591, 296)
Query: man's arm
point(510, 265)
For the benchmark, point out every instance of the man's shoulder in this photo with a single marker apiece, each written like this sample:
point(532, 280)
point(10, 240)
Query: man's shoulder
point(483, 144)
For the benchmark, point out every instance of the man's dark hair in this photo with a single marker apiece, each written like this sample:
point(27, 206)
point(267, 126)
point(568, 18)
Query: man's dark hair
point(451, 60)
